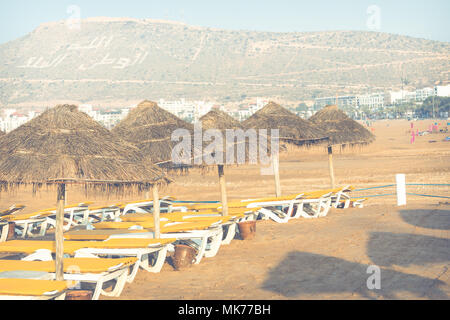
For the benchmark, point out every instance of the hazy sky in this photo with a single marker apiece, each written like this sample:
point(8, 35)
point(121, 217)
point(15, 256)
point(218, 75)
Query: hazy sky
point(428, 19)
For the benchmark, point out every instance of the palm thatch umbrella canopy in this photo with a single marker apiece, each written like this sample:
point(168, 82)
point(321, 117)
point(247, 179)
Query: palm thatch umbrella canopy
point(64, 145)
point(217, 119)
point(150, 129)
point(292, 128)
point(342, 130)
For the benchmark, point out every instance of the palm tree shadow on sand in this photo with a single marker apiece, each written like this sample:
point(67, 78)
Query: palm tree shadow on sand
point(404, 249)
point(301, 273)
point(429, 219)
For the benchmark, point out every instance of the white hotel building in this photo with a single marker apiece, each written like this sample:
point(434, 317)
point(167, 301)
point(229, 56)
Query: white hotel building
point(11, 119)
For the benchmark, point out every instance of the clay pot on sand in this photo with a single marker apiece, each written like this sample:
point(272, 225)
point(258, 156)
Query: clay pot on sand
point(184, 256)
point(11, 231)
point(247, 229)
point(79, 295)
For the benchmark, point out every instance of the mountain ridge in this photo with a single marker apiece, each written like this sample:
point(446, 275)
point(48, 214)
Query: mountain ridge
point(112, 59)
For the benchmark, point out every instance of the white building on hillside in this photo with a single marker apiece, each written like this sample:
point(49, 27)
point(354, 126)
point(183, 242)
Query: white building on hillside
point(442, 91)
point(12, 119)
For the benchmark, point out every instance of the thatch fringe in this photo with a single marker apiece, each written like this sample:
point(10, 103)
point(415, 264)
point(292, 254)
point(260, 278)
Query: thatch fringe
point(341, 129)
point(292, 129)
point(64, 144)
point(150, 129)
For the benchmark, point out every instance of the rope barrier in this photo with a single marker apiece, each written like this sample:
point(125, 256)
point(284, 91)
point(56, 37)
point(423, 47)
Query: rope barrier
point(385, 186)
point(427, 184)
point(408, 184)
point(376, 195)
point(427, 195)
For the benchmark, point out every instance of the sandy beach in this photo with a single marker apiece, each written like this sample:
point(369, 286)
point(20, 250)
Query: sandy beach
point(326, 258)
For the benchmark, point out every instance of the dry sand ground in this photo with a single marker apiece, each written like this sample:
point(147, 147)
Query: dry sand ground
point(323, 258)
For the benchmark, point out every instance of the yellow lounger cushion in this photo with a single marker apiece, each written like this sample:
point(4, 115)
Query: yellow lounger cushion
point(30, 246)
point(235, 204)
point(149, 226)
point(179, 216)
point(185, 226)
point(78, 265)
point(27, 287)
point(146, 224)
point(98, 234)
point(103, 208)
point(26, 216)
point(82, 205)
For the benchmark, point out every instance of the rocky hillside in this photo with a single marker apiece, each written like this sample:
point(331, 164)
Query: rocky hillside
point(128, 59)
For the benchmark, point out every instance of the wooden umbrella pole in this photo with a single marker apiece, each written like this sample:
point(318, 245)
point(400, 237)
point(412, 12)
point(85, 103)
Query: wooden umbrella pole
point(330, 165)
point(59, 232)
point(223, 190)
point(156, 212)
point(276, 172)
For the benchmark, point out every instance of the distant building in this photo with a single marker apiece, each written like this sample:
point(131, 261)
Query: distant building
point(188, 110)
point(399, 97)
point(109, 119)
point(12, 119)
point(442, 91)
point(372, 100)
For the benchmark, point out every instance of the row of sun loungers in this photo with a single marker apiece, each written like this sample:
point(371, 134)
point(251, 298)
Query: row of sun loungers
point(110, 244)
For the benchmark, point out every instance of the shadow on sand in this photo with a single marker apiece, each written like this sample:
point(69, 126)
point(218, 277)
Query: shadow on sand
point(430, 219)
point(308, 273)
point(402, 249)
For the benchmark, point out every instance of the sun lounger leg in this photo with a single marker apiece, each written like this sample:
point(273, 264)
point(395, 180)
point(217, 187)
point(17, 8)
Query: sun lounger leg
point(61, 297)
point(43, 230)
point(98, 290)
point(231, 232)
point(325, 206)
point(201, 249)
point(299, 211)
point(215, 244)
point(4, 234)
point(158, 264)
point(134, 270)
point(121, 280)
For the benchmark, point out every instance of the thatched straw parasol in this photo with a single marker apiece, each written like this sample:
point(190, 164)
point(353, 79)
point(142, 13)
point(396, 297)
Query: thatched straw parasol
point(64, 146)
point(292, 130)
point(150, 129)
point(219, 120)
point(342, 131)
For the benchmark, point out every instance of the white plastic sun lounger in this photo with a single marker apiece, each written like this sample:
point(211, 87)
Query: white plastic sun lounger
point(73, 216)
point(81, 271)
point(207, 242)
point(204, 236)
point(150, 253)
point(29, 224)
point(283, 210)
point(106, 213)
point(146, 206)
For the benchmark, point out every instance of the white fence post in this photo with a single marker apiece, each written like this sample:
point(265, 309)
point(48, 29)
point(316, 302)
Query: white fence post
point(401, 189)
